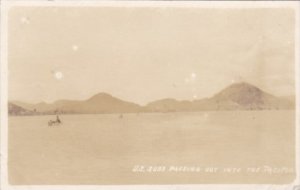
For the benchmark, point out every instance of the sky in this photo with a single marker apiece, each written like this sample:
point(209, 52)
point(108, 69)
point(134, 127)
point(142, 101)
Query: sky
point(145, 54)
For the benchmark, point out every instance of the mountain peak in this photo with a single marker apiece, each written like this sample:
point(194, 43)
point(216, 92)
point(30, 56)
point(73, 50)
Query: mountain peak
point(101, 95)
point(244, 94)
point(242, 85)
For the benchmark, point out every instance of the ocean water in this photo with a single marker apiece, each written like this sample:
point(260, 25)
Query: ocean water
point(107, 149)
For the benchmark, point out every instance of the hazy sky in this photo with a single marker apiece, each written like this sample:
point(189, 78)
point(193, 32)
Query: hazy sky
point(144, 54)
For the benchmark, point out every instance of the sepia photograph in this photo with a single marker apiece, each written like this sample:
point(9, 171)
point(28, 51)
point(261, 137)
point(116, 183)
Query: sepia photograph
point(150, 95)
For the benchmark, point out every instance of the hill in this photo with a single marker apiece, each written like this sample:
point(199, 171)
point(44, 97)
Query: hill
point(239, 96)
point(17, 110)
point(99, 103)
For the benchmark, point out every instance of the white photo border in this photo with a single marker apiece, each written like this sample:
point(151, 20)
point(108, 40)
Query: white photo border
point(7, 4)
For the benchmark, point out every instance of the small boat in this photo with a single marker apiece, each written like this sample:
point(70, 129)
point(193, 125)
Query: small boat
point(54, 122)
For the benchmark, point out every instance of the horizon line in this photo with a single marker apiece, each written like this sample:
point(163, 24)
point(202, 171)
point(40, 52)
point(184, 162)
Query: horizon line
point(164, 98)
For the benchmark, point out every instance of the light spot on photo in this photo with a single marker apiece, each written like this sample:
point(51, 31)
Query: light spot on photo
point(24, 20)
point(193, 76)
point(75, 48)
point(58, 75)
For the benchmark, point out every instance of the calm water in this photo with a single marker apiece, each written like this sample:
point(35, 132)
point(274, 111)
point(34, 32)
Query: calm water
point(103, 149)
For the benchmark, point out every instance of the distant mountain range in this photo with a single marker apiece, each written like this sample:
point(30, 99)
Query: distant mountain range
point(239, 96)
